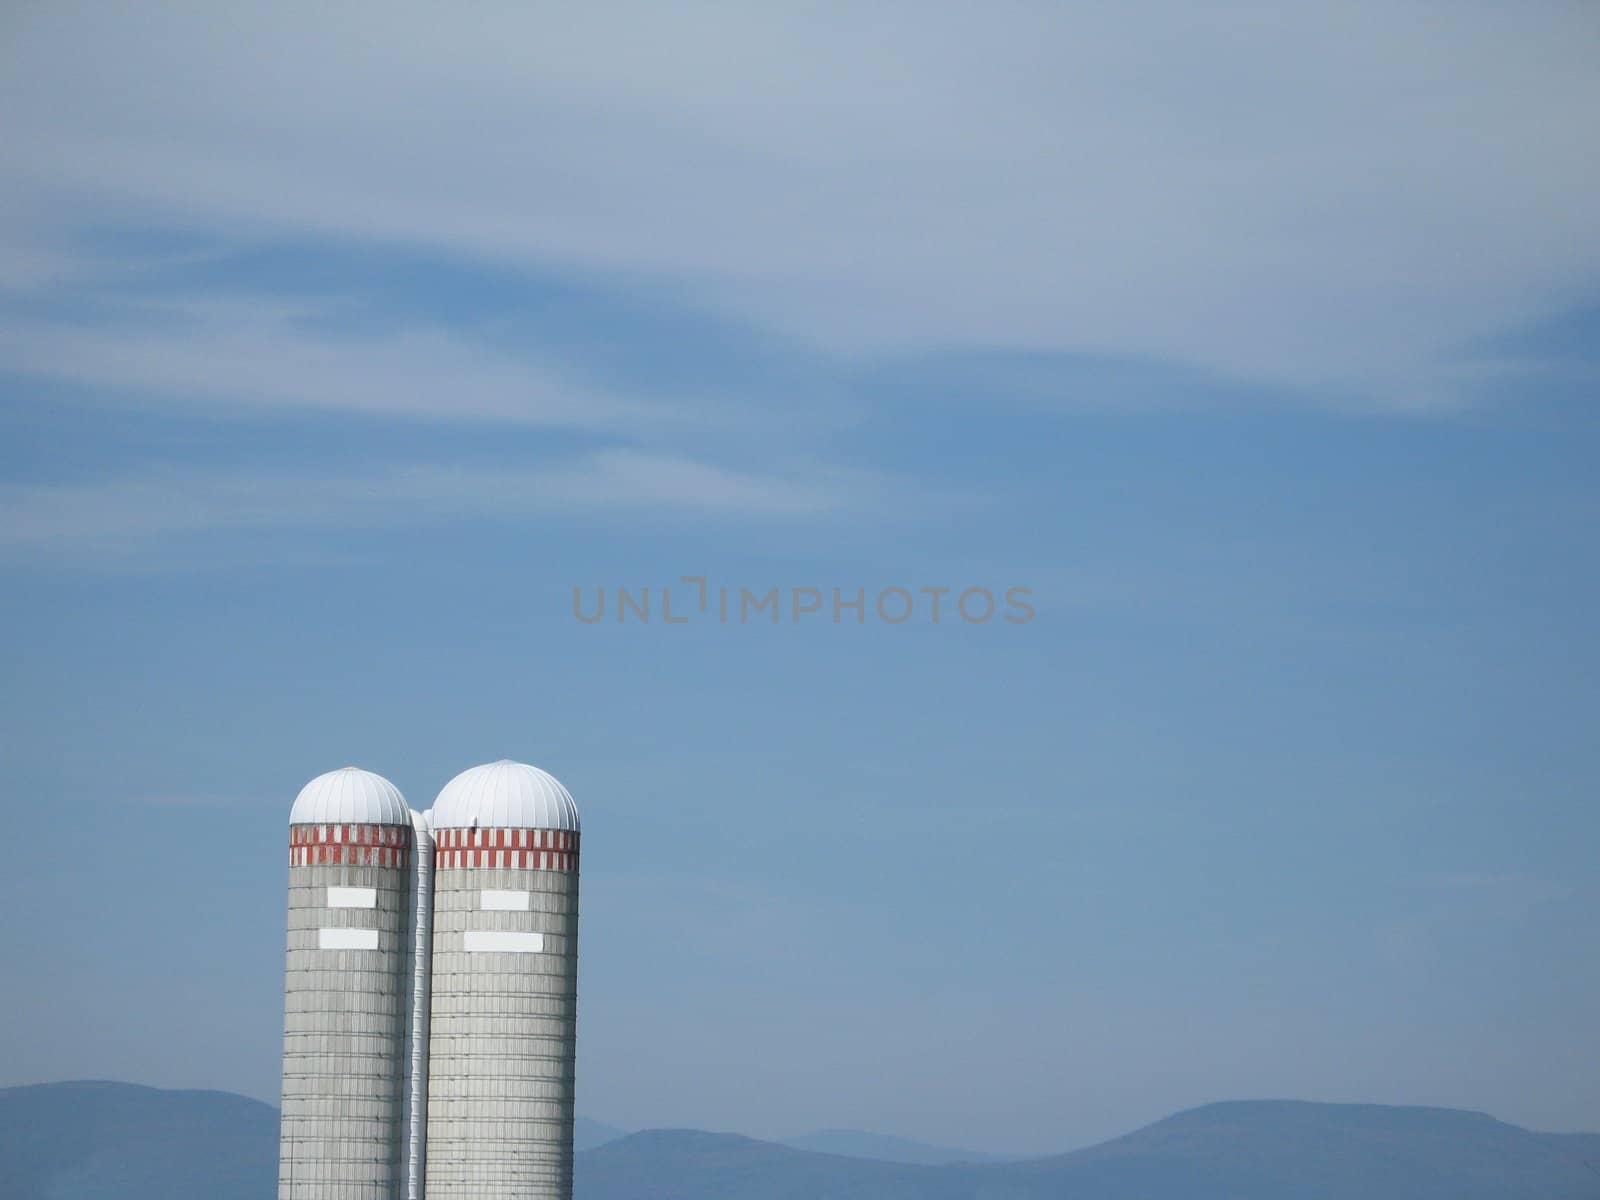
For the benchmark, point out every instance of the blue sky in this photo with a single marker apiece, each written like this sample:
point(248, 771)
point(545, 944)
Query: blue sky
point(337, 350)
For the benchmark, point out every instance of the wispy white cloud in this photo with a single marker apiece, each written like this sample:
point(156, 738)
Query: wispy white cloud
point(1331, 198)
point(125, 516)
point(226, 353)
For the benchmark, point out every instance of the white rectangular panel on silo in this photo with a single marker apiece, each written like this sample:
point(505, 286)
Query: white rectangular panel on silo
point(352, 897)
point(347, 939)
point(493, 901)
point(503, 941)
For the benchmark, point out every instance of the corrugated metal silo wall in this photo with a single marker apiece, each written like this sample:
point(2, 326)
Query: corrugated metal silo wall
point(345, 1013)
point(504, 1015)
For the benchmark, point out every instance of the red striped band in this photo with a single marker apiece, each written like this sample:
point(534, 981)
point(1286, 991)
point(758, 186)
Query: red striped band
point(522, 849)
point(505, 839)
point(349, 845)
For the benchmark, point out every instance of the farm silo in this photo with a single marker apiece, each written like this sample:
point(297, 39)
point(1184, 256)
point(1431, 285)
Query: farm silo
point(347, 990)
point(504, 987)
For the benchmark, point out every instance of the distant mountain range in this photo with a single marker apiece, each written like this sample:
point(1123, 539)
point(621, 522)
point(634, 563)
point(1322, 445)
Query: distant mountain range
point(113, 1141)
point(852, 1143)
point(587, 1134)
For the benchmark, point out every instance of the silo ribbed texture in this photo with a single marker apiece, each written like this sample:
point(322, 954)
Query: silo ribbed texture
point(504, 987)
point(347, 993)
point(431, 989)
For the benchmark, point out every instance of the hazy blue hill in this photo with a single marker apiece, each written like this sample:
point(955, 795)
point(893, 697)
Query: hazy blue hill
point(1288, 1150)
point(1267, 1150)
point(116, 1141)
point(853, 1143)
point(120, 1141)
point(681, 1164)
point(111, 1141)
point(587, 1134)
point(1585, 1145)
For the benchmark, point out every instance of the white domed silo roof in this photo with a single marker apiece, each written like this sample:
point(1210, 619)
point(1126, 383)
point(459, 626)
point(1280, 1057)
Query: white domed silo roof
point(350, 796)
point(505, 795)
